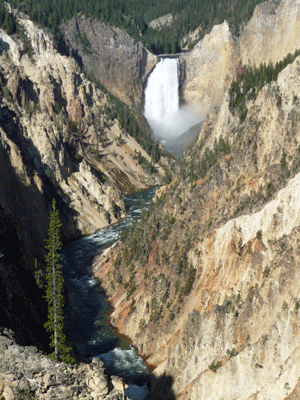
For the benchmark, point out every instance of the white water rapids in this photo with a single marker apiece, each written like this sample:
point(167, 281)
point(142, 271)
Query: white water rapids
point(161, 106)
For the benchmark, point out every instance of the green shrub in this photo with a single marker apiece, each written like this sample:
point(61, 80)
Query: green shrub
point(232, 352)
point(172, 316)
point(213, 367)
point(259, 235)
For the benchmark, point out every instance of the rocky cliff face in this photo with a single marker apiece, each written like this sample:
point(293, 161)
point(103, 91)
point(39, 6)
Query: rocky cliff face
point(269, 36)
point(59, 138)
point(54, 113)
point(115, 59)
point(207, 286)
point(272, 32)
point(216, 55)
point(26, 373)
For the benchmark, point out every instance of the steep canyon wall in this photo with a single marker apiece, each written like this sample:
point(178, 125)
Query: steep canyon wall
point(114, 58)
point(59, 138)
point(210, 294)
point(269, 36)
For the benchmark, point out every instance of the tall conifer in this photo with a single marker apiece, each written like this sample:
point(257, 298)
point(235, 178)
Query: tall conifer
point(54, 290)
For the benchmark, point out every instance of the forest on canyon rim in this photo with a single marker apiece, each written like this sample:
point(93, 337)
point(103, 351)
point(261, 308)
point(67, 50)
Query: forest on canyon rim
point(135, 17)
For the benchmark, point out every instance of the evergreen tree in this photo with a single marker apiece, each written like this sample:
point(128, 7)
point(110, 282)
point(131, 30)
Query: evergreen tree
point(54, 290)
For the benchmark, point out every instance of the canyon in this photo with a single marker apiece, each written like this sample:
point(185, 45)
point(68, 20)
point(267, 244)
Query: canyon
point(60, 138)
point(206, 286)
point(211, 298)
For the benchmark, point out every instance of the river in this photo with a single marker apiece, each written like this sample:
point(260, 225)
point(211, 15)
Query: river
point(87, 311)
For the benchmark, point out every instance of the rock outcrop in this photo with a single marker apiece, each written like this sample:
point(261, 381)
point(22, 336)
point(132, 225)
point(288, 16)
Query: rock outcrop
point(216, 55)
point(271, 33)
point(211, 298)
point(114, 58)
point(55, 112)
point(165, 20)
point(26, 373)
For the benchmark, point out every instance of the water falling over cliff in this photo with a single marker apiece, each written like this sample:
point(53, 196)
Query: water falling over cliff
point(161, 108)
point(162, 91)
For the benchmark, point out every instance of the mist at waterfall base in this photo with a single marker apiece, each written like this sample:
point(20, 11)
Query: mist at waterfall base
point(167, 120)
point(87, 312)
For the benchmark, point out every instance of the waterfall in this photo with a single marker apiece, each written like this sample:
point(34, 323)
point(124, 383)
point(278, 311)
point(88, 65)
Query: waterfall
point(162, 91)
point(161, 105)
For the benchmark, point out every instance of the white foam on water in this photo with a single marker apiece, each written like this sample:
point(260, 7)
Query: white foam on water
point(104, 236)
point(92, 281)
point(129, 359)
point(125, 360)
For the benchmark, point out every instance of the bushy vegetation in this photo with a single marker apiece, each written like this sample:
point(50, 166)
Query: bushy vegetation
point(250, 80)
point(116, 109)
point(214, 366)
point(7, 21)
point(134, 17)
point(11, 26)
point(196, 169)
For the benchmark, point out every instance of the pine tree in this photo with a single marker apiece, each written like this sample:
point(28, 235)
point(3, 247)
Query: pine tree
point(54, 290)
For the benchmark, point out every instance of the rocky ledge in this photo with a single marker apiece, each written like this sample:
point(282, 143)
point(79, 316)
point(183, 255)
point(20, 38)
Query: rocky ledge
point(25, 373)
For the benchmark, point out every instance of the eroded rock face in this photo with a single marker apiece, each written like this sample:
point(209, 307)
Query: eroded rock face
point(57, 113)
point(57, 140)
point(215, 56)
point(115, 59)
point(271, 33)
point(216, 289)
point(32, 89)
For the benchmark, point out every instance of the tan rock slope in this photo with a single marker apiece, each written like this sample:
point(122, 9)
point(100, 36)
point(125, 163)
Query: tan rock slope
point(269, 36)
point(57, 112)
point(211, 298)
point(217, 55)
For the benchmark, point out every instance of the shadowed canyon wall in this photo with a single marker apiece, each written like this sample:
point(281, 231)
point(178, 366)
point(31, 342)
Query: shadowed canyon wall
point(116, 60)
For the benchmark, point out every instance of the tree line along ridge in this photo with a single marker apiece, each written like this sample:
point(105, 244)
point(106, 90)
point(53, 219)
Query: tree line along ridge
point(135, 17)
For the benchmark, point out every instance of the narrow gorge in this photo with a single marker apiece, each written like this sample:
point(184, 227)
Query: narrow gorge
point(204, 282)
point(60, 137)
